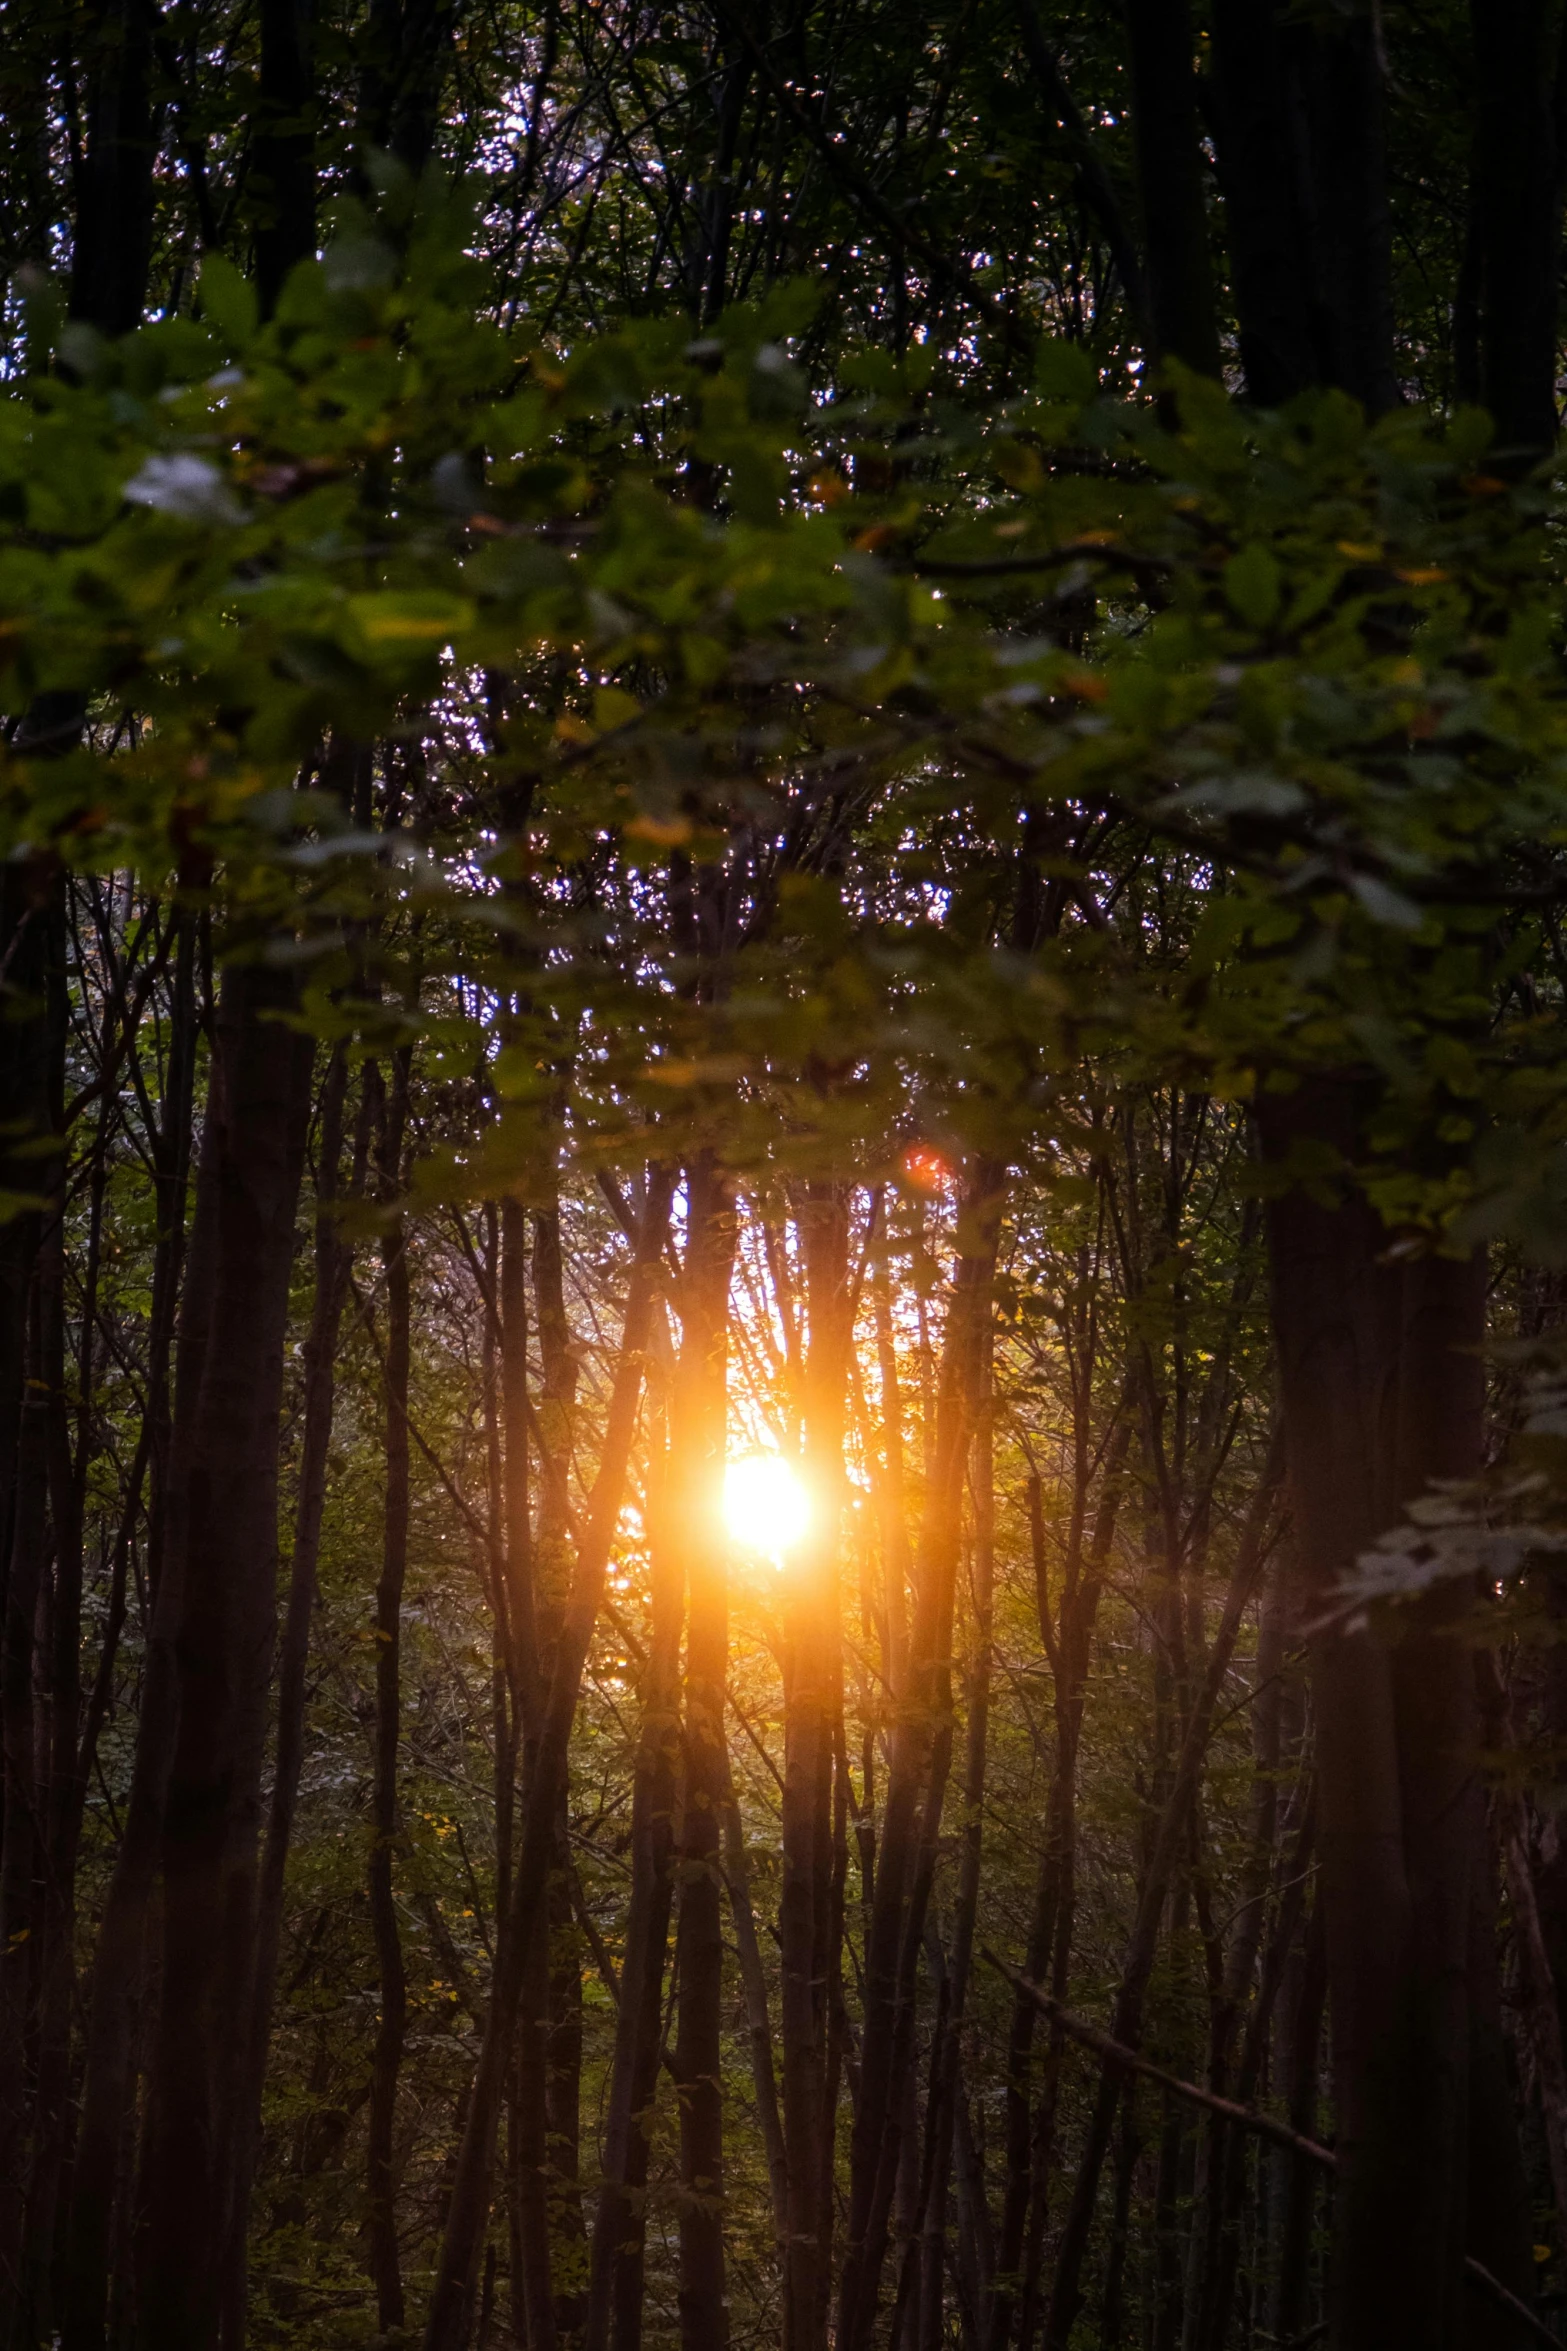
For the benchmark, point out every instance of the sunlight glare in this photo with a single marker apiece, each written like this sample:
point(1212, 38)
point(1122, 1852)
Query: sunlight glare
point(765, 1505)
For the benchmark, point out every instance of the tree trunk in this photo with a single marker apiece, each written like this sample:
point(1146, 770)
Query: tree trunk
point(282, 183)
point(468, 2211)
point(112, 246)
point(804, 1926)
point(697, 1467)
point(120, 1956)
point(941, 2120)
point(31, 1345)
point(1165, 127)
point(1301, 165)
point(1381, 1377)
point(549, 2213)
point(223, 1565)
point(1169, 1841)
point(386, 1812)
point(916, 1775)
point(1070, 1648)
point(1516, 202)
point(620, 2224)
point(22, 1862)
point(61, 1810)
point(1295, 2181)
point(334, 1256)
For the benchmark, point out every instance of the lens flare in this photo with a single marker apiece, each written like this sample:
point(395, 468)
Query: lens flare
point(924, 1169)
point(766, 1507)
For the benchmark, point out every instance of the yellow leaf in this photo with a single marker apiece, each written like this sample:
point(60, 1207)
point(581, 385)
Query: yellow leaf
point(409, 619)
point(665, 832)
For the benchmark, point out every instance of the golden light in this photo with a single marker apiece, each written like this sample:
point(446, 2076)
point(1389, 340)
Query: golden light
point(924, 1169)
point(766, 1507)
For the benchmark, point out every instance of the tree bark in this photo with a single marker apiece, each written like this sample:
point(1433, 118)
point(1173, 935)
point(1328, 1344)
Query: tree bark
point(920, 1746)
point(1070, 1649)
point(385, 1811)
point(334, 1256)
point(468, 2211)
point(22, 1862)
point(223, 1566)
point(1302, 169)
point(941, 2119)
point(620, 2224)
point(112, 247)
point(1167, 134)
point(1516, 201)
point(282, 184)
point(31, 1345)
point(697, 1466)
point(804, 1925)
point(120, 1955)
point(1380, 1370)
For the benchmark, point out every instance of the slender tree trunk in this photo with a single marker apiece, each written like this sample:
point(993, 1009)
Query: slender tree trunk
point(1169, 1841)
point(830, 1914)
point(563, 2096)
point(891, 1482)
point(70, 1740)
point(941, 2119)
point(697, 1451)
point(21, 1860)
point(334, 1256)
point(225, 1577)
point(386, 1812)
point(619, 2232)
point(1212, 2243)
point(61, 1810)
point(532, 2306)
point(764, 2079)
point(531, 2148)
point(120, 1956)
point(31, 1287)
point(1295, 2181)
point(1536, 1980)
point(1128, 2148)
point(1049, 1940)
point(549, 2211)
point(468, 2211)
point(920, 1747)
point(803, 1926)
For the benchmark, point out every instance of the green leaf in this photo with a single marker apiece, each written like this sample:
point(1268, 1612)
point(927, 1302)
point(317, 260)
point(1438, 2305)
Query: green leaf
point(1065, 371)
point(1251, 583)
point(228, 302)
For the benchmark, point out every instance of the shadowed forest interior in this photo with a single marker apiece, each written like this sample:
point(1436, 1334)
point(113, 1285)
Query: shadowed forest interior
point(783, 1149)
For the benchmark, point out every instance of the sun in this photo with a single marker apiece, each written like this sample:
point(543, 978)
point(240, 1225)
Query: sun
point(766, 1507)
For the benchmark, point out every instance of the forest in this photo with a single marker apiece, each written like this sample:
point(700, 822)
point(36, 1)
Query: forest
point(783, 1175)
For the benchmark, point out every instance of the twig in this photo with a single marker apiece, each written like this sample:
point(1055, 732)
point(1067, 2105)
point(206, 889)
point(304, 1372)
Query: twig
point(1077, 2028)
